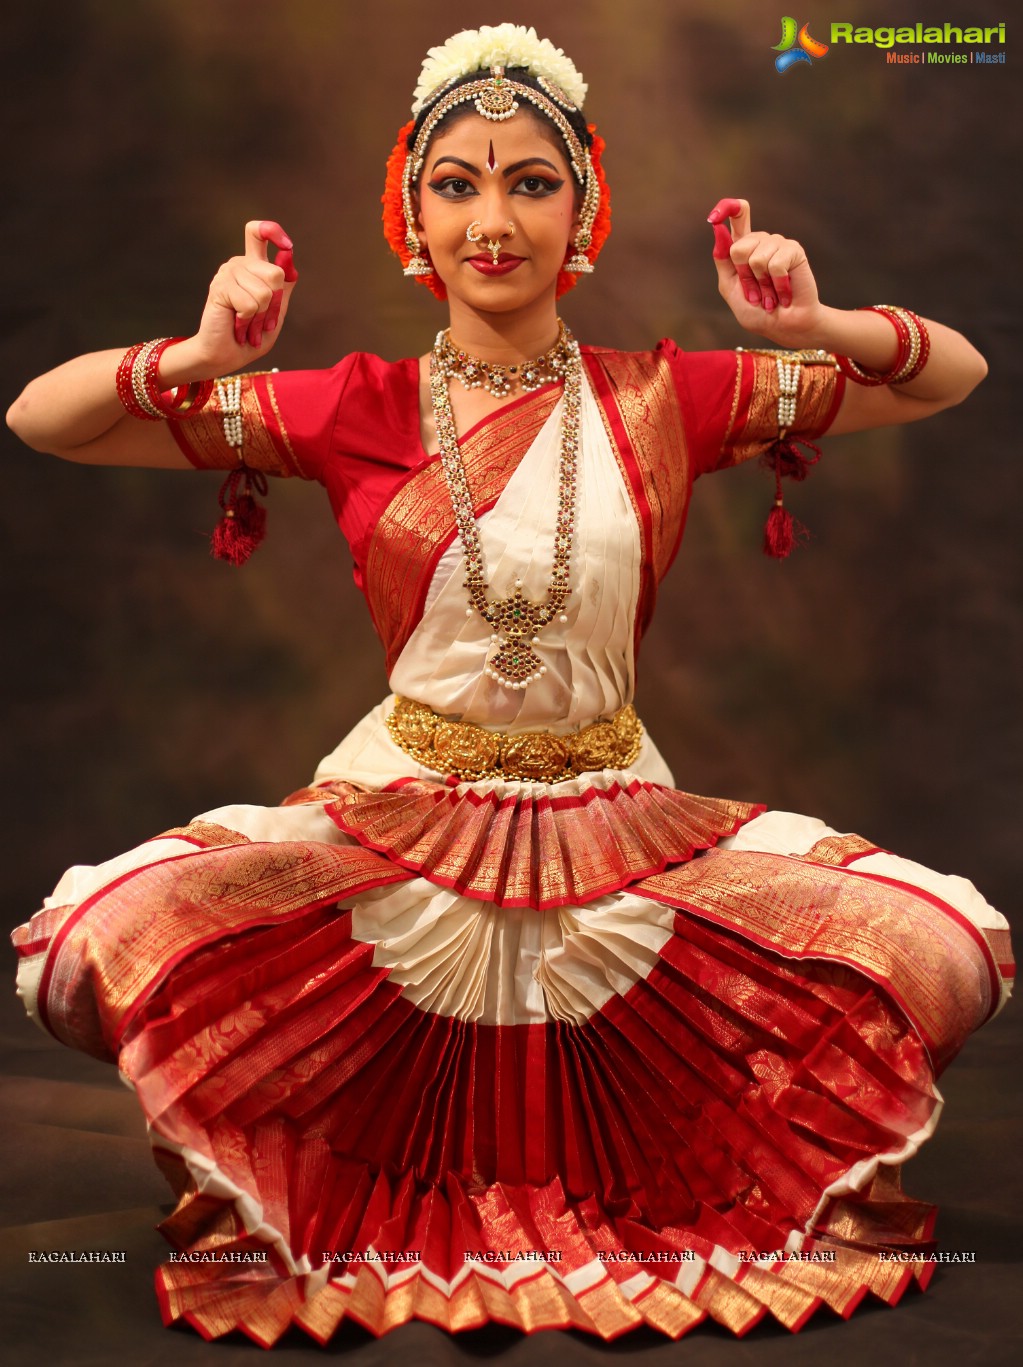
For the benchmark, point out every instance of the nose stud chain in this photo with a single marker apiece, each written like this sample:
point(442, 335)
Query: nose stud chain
point(474, 233)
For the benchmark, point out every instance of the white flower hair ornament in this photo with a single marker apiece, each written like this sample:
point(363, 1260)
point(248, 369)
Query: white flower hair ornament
point(502, 45)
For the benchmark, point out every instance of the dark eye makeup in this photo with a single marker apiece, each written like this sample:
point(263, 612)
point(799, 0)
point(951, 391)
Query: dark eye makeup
point(536, 186)
point(532, 186)
point(452, 187)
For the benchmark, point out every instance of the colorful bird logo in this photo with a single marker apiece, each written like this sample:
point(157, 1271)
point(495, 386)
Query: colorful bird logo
point(789, 54)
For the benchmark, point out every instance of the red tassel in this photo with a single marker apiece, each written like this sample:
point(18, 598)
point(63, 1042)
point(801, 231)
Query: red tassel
point(782, 534)
point(243, 525)
point(779, 532)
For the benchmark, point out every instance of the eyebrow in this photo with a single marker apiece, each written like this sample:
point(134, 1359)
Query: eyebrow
point(530, 161)
point(507, 171)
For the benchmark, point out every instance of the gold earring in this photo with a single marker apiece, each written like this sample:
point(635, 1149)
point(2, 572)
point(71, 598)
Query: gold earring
point(579, 263)
point(418, 265)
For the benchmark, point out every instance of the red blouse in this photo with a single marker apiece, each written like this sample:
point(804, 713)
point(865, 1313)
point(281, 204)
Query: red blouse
point(671, 415)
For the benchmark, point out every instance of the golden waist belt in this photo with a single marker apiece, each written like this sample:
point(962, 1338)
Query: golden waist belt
point(468, 752)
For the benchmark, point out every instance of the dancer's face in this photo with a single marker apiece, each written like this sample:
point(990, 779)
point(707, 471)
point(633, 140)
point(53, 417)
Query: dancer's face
point(492, 175)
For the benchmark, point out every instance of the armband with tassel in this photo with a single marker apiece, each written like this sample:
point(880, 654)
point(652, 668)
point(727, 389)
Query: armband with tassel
point(242, 525)
point(782, 532)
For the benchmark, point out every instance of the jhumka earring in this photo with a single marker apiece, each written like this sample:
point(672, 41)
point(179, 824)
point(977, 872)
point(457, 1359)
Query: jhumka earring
point(580, 263)
point(419, 265)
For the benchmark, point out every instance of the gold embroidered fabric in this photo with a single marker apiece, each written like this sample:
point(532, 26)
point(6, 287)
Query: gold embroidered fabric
point(646, 396)
point(534, 847)
point(637, 396)
point(115, 951)
point(840, 850)
point(754, 425)
point(205, 834)
point(931, 964)
point(830, 1270)
point(265, 442)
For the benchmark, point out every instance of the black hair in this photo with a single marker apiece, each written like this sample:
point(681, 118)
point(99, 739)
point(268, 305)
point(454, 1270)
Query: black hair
point(520, 74)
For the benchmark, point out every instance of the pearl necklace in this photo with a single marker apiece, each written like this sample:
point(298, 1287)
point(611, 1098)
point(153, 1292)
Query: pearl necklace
point(502, 380)
point(516, 621)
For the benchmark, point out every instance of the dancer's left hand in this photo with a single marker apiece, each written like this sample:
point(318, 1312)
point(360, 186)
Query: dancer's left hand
point(764, 278)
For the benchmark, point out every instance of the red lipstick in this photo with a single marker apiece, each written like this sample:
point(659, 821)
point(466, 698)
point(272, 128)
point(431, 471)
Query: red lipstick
point(486, 265)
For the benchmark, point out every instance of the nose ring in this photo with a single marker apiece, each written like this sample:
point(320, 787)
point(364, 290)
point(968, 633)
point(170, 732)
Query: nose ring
point(474, 233)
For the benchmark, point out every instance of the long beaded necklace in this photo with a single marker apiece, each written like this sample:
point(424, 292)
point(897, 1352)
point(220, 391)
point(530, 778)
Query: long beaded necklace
point(515, 621)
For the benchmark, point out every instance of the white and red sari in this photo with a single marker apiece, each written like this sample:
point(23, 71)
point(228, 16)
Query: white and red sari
point(589, 1054)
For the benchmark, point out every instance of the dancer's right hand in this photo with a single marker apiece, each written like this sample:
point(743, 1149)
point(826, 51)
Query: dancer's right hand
point(248, 300)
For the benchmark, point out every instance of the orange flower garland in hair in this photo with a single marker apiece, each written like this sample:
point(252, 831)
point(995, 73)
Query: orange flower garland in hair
point(394, 214)
point(395, 227)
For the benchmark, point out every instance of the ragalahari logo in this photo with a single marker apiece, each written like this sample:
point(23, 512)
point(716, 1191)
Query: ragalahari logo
point(796, 45)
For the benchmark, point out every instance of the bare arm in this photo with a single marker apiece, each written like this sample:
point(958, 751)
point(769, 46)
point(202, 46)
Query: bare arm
point(767, 282)
point(73, 411)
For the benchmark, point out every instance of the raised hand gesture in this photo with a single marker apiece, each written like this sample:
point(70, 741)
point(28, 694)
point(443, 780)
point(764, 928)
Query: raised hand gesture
point(763, 277)
point(248, 300)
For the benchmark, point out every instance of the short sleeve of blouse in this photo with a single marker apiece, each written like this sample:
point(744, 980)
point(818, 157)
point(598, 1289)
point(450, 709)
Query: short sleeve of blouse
point(730, 400)
point(287, 421)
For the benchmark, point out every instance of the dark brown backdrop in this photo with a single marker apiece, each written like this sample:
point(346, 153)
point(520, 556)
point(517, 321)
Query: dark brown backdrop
point(872, 680)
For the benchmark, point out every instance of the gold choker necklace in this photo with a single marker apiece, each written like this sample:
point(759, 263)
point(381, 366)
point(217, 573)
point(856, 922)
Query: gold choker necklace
point(515, 621)
point(502, 380)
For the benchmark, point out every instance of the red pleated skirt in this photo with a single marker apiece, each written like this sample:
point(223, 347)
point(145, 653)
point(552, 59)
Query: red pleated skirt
point(378, 1100)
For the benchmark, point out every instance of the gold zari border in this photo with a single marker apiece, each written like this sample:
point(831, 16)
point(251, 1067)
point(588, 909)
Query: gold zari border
point(205, 438)
point(818, 371)
point(647, 400)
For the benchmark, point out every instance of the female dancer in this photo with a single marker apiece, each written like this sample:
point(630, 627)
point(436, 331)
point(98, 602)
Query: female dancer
point(491, 1022)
